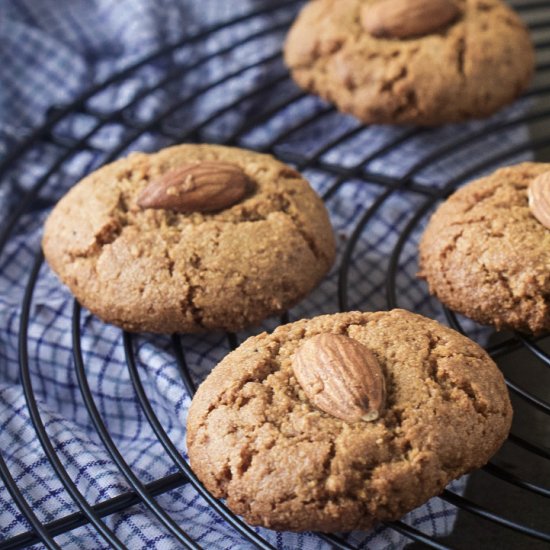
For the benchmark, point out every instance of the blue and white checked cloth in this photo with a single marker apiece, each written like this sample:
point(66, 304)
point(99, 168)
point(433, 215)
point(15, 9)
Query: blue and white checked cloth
point(51, 51)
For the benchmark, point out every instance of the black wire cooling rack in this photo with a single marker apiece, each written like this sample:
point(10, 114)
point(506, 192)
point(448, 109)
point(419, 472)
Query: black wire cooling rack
point(181, 61)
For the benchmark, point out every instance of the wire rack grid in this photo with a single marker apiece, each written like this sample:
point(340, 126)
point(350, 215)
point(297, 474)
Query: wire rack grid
point(266, 98)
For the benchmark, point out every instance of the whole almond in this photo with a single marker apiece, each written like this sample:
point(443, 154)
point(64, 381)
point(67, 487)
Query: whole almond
point(341, 377)
point(200, 187)
point(539, 198)
point(407, 18)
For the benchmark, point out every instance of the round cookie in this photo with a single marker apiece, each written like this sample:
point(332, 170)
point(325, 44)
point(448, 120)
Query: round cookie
point(485, 255)
point(255, 438)
point(478, 59)
point(149, 268)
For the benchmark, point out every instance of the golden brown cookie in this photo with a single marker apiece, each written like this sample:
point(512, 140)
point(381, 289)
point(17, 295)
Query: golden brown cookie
point(138, 244)
point(426, 62)
point(485, 254)
point(256, 438)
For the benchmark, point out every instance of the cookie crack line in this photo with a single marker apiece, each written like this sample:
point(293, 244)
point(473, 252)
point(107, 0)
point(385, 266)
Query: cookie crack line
point(442, 379)
point(388, 85)
point(461, 56)
point(444, 254)
point(222, 399)
point(113, 228)
point(170, 262)
point(188, 305)
point(306, 236)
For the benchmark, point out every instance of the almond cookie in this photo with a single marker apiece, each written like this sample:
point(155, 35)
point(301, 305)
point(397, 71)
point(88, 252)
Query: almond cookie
point(425, 62)
point(486, 254)
point(192, 238)
point(337, 422)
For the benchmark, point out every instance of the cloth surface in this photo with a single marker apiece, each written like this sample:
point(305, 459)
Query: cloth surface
point(52, 51)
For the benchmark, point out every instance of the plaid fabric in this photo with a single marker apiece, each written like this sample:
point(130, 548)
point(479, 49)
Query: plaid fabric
point(53, 50)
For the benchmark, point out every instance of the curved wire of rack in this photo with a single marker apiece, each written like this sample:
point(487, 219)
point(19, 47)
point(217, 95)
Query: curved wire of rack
point(386, 186)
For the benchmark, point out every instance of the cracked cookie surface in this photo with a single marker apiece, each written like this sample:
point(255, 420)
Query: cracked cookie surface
point(161, 271)
point(469, 69)
point(255, 439)
point(485, 255)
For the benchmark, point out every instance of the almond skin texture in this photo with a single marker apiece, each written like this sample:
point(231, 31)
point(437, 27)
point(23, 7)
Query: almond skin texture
point(403, 19)
point(201, 187)
point(539, 198)
point(341, 377)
